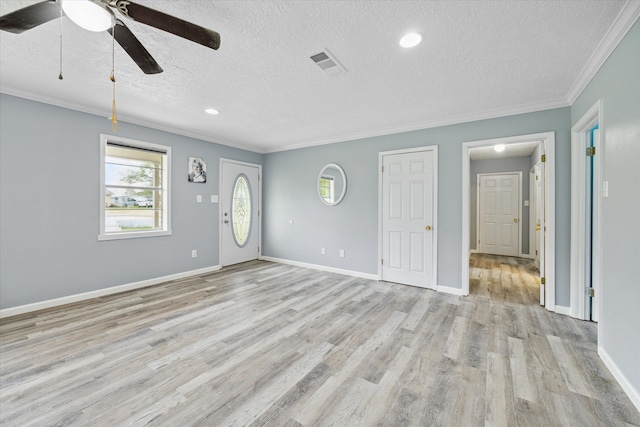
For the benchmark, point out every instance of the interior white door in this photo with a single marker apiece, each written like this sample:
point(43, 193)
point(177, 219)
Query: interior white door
point(239, 212)
point(499, 214)
point(537, 212)
point(541, 226)
point(408, 218)
point(592, 253)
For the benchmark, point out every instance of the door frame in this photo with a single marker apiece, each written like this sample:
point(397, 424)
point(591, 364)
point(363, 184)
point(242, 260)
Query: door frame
point(434, 229)
point(547, 140)
point(519, 174)
point(579, 140)
point(220, 192)
point(532, 210)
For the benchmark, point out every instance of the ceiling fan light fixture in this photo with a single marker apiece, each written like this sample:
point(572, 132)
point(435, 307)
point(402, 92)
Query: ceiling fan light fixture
point(212, 111)
point(90, 15)
point(499, 148)
point(410, 40)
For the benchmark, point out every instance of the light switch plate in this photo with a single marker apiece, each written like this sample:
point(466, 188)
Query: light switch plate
point(214, 198)
point(199, 198)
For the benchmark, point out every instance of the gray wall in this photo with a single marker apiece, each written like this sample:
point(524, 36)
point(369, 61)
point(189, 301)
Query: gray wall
point(49, 206)
point(617, 83)
point(289, 188)
point(512, 164)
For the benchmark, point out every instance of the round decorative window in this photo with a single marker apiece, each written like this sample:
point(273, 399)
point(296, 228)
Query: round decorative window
point(241, 210)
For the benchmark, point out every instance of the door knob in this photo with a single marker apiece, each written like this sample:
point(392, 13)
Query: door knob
point(515, 220)
point(226, 221)
point(428, 228)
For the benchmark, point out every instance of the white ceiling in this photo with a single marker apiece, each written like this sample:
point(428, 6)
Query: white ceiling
point(515, 149)
point(478, 59)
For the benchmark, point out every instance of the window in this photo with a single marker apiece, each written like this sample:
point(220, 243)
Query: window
point(327, 191)
point(241, 210)
point(135, 195)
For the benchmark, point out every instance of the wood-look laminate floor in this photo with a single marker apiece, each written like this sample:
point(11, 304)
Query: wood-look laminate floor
point(269, 344)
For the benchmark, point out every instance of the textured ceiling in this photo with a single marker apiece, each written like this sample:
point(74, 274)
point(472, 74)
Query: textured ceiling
point(478, 59)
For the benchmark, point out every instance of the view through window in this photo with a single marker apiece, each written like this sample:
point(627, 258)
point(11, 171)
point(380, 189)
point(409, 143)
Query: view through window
point(135, 189)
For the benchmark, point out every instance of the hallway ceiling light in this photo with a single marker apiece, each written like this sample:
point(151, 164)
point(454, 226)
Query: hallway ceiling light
point(499, 147)
point(410, 40)
point(212, 111)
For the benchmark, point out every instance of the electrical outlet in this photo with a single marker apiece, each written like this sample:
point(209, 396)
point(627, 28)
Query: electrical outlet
point(341, 253)
point(214, 199)
point(194, 253)
point(322, 251)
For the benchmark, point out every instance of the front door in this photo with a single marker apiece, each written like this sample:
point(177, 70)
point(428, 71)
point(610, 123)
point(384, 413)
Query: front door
point(408, 218)
point(239, 212)
point(499, 214)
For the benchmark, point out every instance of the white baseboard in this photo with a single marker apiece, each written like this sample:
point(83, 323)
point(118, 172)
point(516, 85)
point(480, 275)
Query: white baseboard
point(27, 308)
point(322, 268)
point(473, 251)
point(561, 309)
point(450, 290)
point(628, 388)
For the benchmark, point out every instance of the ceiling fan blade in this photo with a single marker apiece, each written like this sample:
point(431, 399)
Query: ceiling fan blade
point(29, 17)
point(135, 49)
point(170, 24)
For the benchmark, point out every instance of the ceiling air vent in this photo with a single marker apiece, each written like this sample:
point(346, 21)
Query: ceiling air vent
point(327, 62)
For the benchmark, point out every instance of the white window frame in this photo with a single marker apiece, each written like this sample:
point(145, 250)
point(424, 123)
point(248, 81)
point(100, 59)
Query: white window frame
point(166, 185)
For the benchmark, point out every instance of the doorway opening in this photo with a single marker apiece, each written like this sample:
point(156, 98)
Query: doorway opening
point(540, 223)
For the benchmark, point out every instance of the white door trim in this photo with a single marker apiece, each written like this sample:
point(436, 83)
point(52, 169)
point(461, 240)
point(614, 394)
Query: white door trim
point(578, 212)
point(548, 141)
point(478, 215)
point(381, 154)
point(532, 209)
point(220, 193)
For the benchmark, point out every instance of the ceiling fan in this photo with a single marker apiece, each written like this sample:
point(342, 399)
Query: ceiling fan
point(98, 15)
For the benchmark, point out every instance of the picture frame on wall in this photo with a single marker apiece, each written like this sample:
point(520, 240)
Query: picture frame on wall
point(197, 170)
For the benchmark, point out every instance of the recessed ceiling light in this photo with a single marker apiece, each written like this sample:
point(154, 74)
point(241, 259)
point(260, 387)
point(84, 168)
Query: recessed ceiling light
point(212, 111)
point(410, 40)
point(499, 148)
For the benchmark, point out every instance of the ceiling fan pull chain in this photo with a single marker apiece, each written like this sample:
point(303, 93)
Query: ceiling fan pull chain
point(112, 77)
point(60, 75)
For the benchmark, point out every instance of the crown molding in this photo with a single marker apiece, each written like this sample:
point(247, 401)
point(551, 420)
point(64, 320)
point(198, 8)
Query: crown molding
point(124, 118)
point(454, 120)
point(628, 15)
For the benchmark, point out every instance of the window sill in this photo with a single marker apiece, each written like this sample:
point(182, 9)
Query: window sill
point(133, 235)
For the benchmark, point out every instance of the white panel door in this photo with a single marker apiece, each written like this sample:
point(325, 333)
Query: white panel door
point(407, 218)
point(499, 215)
point(239, 212)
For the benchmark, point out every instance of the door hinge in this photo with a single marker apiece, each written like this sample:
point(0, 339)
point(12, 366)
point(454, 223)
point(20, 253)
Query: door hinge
point(383, 169)
point(258, 212)
point(258, 177)
point(382, 262)
point(543, 158)
point(591, 151)
point(536, 252)
point(591, 292)
point(542, 280)
point(537, 177)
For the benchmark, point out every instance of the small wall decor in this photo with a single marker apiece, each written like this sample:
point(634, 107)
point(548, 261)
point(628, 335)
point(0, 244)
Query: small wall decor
point(197, 170)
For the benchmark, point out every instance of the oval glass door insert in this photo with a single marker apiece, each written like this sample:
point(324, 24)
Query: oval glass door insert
point(241, 210)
